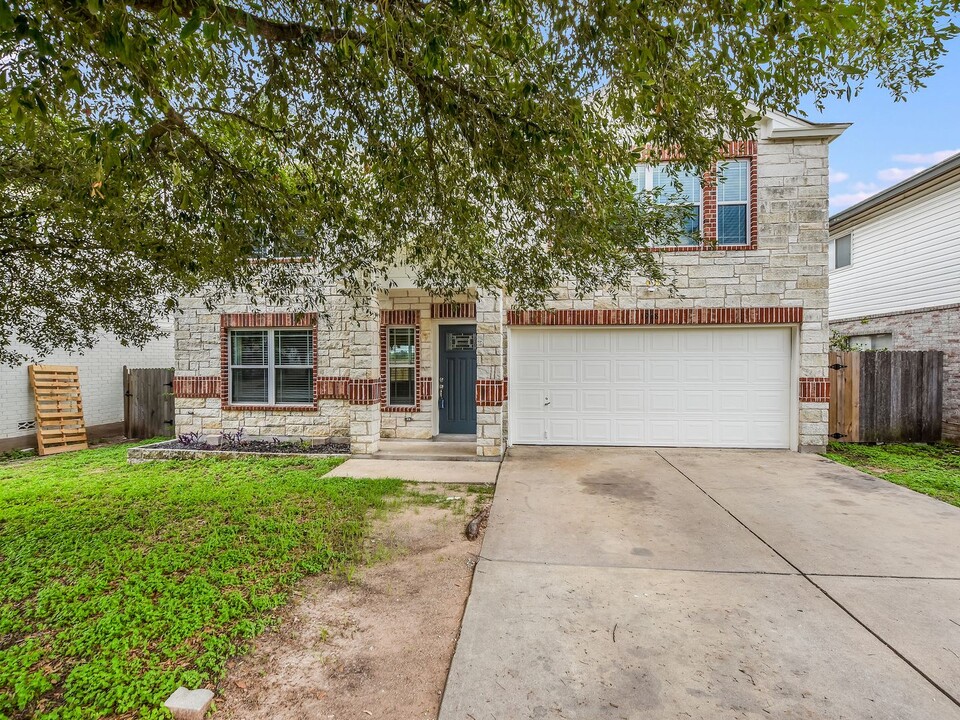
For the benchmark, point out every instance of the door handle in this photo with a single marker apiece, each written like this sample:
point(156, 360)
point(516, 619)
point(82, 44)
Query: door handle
point(546, 401)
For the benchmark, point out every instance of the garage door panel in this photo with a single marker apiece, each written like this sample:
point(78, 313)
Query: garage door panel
point(561, 371)
point(697, 401)
point(628, 431)
point(563, 342)
point(733, 370)
point(596, 371)
point(663, 371)
point(696, 371)
point(596, 401)
point(530, 371)
point(628, 371)
point(561, 400)
point(698, 387)
point(563, 431)
point(628, 401)
point(530, 429)
point(527, 400)
point(663, 401)
point(594, 431)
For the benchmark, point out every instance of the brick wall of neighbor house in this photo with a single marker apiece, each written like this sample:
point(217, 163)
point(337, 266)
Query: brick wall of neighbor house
point(929, 329)
point(786, 269)
point(101, 385)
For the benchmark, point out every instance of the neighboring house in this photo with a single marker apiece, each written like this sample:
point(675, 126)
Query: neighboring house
point(101, 387)
point(895, 273)
point(739, 359)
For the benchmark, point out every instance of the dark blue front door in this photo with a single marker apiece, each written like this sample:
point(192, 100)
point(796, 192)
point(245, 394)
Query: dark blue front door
point(458, 379)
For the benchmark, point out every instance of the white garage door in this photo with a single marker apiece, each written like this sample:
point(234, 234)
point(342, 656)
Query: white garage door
point(694, 387)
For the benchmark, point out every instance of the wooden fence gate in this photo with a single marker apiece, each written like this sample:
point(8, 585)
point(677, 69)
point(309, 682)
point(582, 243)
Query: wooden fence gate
point(147, 402)
point(886, 396)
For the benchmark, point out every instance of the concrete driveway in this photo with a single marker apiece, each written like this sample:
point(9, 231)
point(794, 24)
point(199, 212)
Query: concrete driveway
point(642, 583)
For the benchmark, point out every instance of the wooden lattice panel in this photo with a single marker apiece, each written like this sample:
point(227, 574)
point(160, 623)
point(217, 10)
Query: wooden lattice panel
point(56, 392)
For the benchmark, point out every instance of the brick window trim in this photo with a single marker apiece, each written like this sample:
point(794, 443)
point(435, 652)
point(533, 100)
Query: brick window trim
point(814, 389)
point(491, 393)
point(274, 320)
point(739, 150)
point(456, 310)
point(399, 318)
point(657, 317)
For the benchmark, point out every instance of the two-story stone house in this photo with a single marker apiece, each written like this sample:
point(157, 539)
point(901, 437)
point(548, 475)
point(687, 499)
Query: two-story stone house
point(737, 359)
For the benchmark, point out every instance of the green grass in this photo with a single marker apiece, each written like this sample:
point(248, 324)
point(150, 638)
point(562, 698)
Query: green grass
point(930, 469)
point(120, 582)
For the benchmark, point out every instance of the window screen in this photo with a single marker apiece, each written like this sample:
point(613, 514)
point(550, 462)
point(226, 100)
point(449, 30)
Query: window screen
point(271, 367)
point(733, 197)
point(840, 252)
point(401, 366)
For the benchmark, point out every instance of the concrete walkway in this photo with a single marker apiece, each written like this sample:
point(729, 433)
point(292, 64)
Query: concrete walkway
point(623, 583)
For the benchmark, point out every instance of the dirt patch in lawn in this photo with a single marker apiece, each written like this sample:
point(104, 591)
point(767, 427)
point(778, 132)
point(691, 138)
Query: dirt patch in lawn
point(378, 645)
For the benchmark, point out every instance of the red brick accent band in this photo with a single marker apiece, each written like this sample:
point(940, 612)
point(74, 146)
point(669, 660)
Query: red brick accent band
point(399, 318)
point(815, 390)
point(230, 321)
point(690, 316)
point(425, 388)
point(453, 310)
point(332, 388)
point(268, 320)
point(203, 386)
point(491, 393)
point(364, 392)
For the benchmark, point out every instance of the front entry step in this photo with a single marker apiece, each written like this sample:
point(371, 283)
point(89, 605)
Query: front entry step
point(427, 450)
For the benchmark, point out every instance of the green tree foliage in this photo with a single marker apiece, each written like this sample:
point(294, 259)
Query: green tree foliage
point(151, 148)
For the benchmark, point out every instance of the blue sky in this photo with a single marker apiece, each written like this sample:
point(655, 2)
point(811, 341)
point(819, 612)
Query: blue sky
point(891, 141)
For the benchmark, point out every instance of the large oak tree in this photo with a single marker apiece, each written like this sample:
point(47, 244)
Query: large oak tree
point(152, 148)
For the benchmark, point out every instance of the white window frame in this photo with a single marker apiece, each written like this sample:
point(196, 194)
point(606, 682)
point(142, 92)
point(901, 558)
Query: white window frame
point(832, 253)
point(412, 365)
point(270, 367)
point(648, 186)
point(745, 202)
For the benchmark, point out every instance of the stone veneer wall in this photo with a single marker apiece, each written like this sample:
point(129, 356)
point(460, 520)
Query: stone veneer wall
point(197, 340)
point(930, 329)
point(788, 268)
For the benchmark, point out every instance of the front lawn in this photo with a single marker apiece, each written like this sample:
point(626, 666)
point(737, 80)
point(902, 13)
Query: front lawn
point(120, 582)
point(931, 469)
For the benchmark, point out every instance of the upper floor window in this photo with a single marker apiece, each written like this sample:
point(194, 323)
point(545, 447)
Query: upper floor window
point(733, 202)
point(679, 187)
point(401, 366)
point(271, 367)
point(840, 252)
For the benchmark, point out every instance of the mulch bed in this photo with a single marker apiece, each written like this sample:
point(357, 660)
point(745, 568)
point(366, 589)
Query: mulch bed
point(261, 446)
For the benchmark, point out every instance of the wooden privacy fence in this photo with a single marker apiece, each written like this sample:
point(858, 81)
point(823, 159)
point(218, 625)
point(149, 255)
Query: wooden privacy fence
point(886, 396)
point(147, 402)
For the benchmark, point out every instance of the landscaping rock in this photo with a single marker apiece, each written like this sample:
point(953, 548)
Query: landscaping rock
point(189, 704)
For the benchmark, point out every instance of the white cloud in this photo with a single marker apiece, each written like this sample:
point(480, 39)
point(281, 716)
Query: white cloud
point(896, 174)
point(925, 159)
point(837, 176)
point(858, 191)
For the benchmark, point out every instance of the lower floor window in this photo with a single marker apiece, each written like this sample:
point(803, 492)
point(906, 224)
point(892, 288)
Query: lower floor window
point(401, 366)
point(271, 367)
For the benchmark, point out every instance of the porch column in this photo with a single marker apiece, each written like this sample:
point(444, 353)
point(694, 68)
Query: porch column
point(491, 380)
point(364, 385)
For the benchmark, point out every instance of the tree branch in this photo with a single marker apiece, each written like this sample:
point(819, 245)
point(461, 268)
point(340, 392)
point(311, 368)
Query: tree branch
point(271, 30)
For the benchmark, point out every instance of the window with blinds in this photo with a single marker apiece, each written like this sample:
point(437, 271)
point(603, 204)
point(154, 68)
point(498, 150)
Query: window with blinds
point(401, 366)
point(271, 367)
point(733, 202)
point(677, 187)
